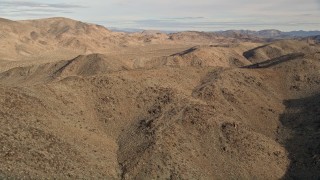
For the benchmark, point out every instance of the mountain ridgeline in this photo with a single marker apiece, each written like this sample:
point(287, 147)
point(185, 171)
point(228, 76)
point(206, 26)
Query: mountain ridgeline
point(78, 101)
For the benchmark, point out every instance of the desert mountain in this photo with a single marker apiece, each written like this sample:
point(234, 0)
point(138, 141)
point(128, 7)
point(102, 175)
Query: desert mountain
point(248, 33)
point(302, 33)
point(280, 48)
point(314, 39)
point(62, 38)
point(188, 105)
point(36, 37)
point(270, 34)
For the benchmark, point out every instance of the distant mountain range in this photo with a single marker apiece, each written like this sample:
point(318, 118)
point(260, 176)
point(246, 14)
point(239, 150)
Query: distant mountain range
point(134, 30)
point(316, 38)
point(270, 33)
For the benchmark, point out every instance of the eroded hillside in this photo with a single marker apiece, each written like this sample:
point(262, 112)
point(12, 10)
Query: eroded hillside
point(172, 111)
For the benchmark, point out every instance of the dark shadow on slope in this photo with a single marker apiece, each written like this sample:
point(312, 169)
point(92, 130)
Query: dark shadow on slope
point(67, 63)
point(300, 134)
point(251, 52)
point(276, 61)
point(185, 52)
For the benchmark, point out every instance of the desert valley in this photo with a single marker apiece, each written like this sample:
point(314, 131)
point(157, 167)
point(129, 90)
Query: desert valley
point(79, 101)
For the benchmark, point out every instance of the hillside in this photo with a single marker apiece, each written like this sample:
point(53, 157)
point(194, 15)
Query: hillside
point(210, 108)
point(280, 48)
point(55, 39)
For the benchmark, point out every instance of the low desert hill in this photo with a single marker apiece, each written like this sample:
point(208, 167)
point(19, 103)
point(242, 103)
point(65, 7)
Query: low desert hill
point(155, 107)
point(48, 40)
point(280, 48)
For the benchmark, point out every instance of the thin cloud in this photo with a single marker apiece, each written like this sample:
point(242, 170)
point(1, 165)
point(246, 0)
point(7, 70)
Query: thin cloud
point(33, 9)
point(18, 4)
point(186, 18)
point(39, 11)
point(18, 15)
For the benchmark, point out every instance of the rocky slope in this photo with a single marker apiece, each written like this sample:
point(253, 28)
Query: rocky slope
point(225, 111)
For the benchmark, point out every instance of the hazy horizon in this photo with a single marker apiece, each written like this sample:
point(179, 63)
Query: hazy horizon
point(203, 15)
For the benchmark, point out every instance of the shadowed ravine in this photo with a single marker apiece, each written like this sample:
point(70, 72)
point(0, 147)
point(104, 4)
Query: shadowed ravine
point(302, 121)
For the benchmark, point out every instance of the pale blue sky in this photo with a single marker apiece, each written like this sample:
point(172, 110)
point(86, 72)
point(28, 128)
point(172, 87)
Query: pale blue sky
point(204, 15)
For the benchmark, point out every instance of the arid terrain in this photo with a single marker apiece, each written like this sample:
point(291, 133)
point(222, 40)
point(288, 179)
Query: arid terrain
point(78, 101)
